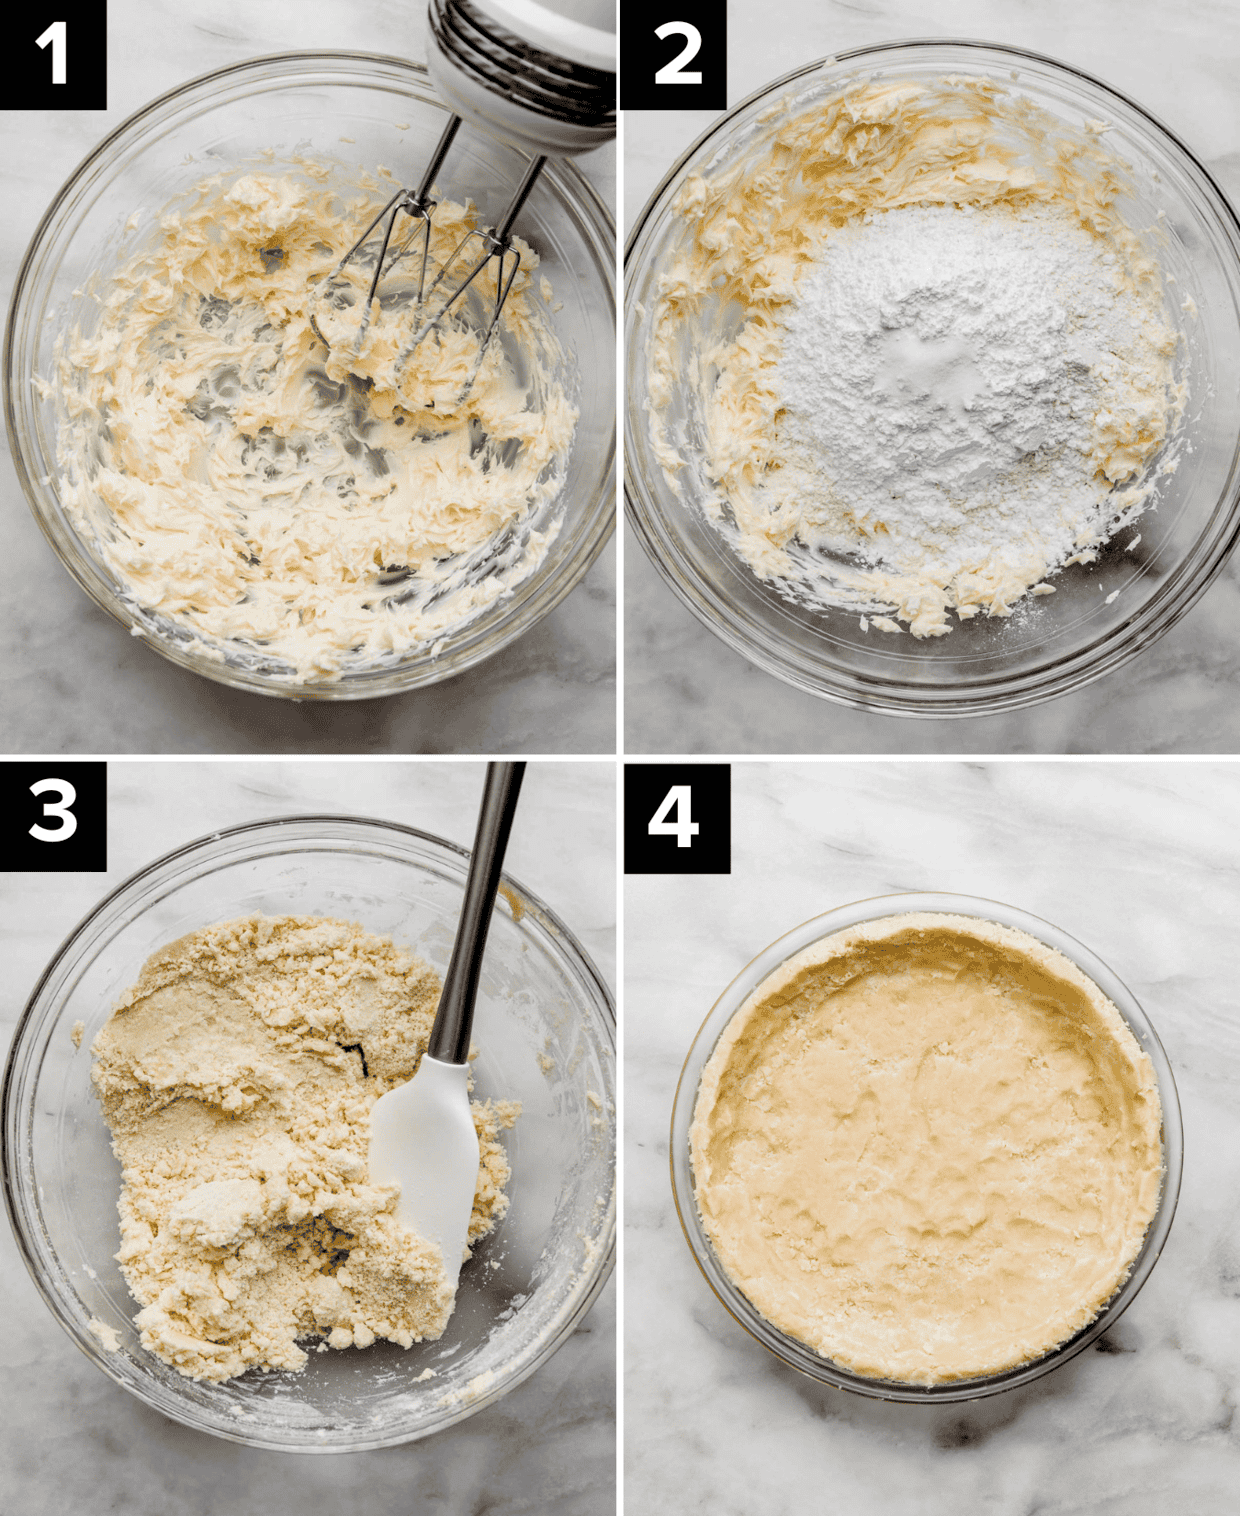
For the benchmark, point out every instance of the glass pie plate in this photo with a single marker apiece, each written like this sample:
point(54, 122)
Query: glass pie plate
point(362, 110)
point(789, 1349)
point(1102, 614)
point(545, 1025)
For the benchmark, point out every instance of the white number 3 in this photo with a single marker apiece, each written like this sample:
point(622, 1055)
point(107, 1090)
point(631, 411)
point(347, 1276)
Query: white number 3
point(673, 72)
point(684, 828)
point(58, 808)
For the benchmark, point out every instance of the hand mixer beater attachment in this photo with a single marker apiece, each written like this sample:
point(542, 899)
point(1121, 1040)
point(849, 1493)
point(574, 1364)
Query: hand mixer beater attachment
point(541, 77)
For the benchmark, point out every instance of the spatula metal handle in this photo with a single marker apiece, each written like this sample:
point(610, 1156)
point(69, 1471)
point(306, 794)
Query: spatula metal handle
point(449, 1041)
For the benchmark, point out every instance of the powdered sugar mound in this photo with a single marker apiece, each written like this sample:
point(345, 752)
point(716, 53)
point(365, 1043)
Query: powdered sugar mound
point(963, 387)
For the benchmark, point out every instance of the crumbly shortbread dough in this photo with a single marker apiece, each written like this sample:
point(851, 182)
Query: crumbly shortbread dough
point(237, 1077)
point(928, 1147)
point(308, 510)
point(824, 228)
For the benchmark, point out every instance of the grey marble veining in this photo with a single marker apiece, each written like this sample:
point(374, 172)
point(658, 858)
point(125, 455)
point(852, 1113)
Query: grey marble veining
point(74, 1444)
point(684, 689)
point(74, 680)
point(1139, 862)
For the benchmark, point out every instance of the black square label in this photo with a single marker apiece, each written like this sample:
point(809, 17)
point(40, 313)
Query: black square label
point(58, 57)
point(674, 56)
point(677, 818)
point(56, 817)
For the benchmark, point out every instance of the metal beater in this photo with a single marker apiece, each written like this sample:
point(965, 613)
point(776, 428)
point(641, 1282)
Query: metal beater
point(541, 78)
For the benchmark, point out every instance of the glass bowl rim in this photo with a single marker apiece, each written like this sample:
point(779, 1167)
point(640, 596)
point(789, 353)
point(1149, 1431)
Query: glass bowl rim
point(989, 695)
point(476, 645)
point(789, 1350)
point(32, 1033)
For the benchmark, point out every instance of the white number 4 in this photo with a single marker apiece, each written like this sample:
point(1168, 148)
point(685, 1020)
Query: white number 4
point(58, 808)
point(675, 71)
point(55, 34)
point(684, 828)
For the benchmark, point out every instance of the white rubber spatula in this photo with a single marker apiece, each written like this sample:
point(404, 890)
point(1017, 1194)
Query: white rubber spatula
point(422, 1135)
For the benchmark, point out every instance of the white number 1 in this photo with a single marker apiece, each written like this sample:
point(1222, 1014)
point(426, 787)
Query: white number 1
point(675, 72)
point(55, 34)
point(58, 808)
point(684, 828)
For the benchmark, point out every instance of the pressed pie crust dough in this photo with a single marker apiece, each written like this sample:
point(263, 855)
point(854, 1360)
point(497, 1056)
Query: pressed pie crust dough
point(928, 1147)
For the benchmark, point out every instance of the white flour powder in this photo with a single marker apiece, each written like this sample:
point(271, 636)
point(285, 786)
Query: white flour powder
point(962, 388)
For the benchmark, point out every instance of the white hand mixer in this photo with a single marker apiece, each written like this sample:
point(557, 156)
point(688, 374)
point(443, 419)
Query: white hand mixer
point(539, 74)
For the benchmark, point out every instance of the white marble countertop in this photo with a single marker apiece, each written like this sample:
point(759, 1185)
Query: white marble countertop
point(1138, 861)
point(75, 681)
point(73, 1442)
point(685, 691)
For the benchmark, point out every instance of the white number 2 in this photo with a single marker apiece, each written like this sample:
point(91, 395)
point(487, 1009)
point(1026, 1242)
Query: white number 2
point(684, 828)
point(55, 34)
point(58, 808)
point(672, 73)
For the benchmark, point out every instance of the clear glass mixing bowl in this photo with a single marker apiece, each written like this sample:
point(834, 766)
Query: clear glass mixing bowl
point(365, 110)
point(545, 1024)
point(1102, 614)
point(797, 1354)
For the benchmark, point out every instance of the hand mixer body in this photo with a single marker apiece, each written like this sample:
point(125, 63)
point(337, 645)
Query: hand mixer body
point(537, 74)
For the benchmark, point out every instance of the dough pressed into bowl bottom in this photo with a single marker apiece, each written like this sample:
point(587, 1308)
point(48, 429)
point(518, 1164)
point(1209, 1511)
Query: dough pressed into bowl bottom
point(928, 1147)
